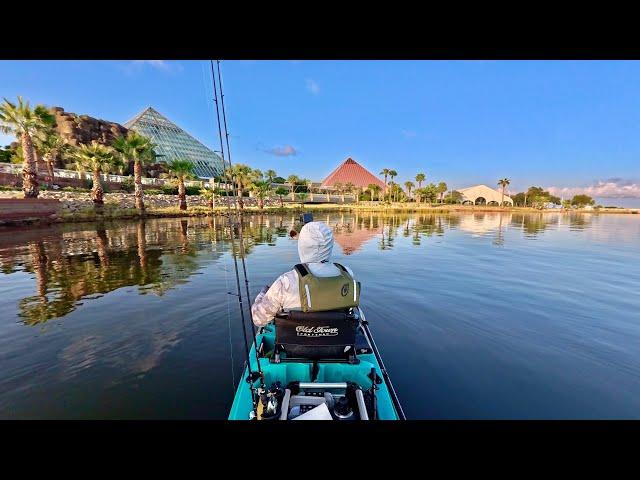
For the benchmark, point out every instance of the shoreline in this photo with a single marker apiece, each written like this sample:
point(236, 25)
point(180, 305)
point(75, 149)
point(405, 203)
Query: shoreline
point(113, 212)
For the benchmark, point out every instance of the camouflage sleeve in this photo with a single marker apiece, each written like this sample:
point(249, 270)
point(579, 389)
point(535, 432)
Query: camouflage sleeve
point(268, 304)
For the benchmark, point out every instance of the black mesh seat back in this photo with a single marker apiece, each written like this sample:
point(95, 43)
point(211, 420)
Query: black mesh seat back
point(317, 335)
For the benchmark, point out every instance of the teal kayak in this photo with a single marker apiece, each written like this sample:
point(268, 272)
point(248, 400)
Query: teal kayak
point(351, 383)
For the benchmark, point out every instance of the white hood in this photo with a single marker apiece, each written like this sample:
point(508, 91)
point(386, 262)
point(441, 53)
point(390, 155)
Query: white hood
point(315, 242)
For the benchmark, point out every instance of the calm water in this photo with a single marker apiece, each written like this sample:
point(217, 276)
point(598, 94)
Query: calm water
point(477, 316)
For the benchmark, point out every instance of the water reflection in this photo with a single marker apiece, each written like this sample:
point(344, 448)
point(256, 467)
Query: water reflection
point(74, 263)
point(147, 329)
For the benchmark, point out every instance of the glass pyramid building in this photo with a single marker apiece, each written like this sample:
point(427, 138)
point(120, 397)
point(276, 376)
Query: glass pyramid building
point(173, 142)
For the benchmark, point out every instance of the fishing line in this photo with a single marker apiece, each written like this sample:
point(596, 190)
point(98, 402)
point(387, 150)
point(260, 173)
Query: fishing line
point(228, 173)
point(244, 267)
point(233, 372)
point(238, 220)
point(208, 95)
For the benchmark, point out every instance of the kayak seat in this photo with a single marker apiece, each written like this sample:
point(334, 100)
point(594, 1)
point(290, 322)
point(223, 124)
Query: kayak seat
point(316, 336)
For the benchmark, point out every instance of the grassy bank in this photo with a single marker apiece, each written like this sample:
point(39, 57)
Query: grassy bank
point(197, 211)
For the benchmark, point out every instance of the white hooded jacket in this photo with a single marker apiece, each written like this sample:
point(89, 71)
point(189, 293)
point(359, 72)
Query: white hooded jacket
point(315, 244)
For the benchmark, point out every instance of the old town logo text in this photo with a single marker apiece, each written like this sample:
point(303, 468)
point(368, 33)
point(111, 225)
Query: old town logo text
point(316, 331)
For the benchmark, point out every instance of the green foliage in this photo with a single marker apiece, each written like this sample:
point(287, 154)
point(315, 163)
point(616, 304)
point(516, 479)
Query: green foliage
point(17, 157)
point(518, 199)
point(18, 118)
point(271, 175)
point(135, 147)
point(5, 154)
point(181, 169)
point(279, 180)
point(192, 190)
point(168, 189)
point(504, 182)
point(582, 200)
point(207, 193)
point(95, 157)
point(153, 191)
point(535, 197)
point(261, 189)
point(428, 193)
point(127, 185)
point(281, 191)
point(453, 197)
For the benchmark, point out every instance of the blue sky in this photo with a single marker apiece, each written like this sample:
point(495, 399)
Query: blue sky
point(561, 124)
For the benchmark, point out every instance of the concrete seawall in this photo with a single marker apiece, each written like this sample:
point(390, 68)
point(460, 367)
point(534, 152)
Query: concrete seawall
point(13, 209)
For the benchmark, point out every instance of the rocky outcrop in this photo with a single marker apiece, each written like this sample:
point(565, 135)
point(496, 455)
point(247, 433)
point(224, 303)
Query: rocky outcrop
point(79, 129)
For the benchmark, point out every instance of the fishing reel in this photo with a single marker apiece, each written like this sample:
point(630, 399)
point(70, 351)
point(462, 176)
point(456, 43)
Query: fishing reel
point(269, 402)
point(302, 221)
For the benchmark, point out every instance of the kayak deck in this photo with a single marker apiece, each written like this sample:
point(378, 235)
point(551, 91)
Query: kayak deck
point(325, 372)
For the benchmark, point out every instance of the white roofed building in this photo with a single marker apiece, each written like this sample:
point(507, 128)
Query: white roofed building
point(483, 195)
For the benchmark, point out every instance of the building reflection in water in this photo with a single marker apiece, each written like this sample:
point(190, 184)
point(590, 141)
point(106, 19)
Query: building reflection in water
point(75, 262)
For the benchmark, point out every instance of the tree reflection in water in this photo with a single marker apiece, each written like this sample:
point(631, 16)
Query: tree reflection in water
point(75, 262)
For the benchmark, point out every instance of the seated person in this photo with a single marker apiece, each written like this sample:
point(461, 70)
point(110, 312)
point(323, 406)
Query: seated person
point(315, 244)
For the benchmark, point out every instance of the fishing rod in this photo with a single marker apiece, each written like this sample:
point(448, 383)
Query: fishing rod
point(228, 172)
point(240, 223)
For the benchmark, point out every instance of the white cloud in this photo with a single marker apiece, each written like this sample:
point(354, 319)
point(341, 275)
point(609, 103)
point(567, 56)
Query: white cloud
point(610, 188)
point(158, 64)
point(313, 86)
point(285, 151)
point(161, 65)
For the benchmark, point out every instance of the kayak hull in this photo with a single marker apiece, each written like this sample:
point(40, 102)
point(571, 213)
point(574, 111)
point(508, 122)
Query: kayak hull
point(327, 372)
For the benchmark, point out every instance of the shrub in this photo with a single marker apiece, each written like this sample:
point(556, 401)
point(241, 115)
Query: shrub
point(153, 191)
point(169, 189)
point(128, 185)
point(192, 190)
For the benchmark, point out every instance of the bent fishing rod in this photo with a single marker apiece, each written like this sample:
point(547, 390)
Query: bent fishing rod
point(228, 173)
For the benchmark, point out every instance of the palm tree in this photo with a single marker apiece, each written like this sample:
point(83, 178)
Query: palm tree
point(139, 149)
point(340, 189)
point(50, 146)
point(409, 186)
point(291, 181)
point(209, 195)
point(420, 177)
point(261, 189)
point(25, 123)
point(393, 174)
point(270, 174)
point(97, 159)
point(503, 183)
point(385, 172)
point(281, 192)
point(442, 188)
point(349, 187)
point(243, 177)
point(181, 170)
point(373, 188)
